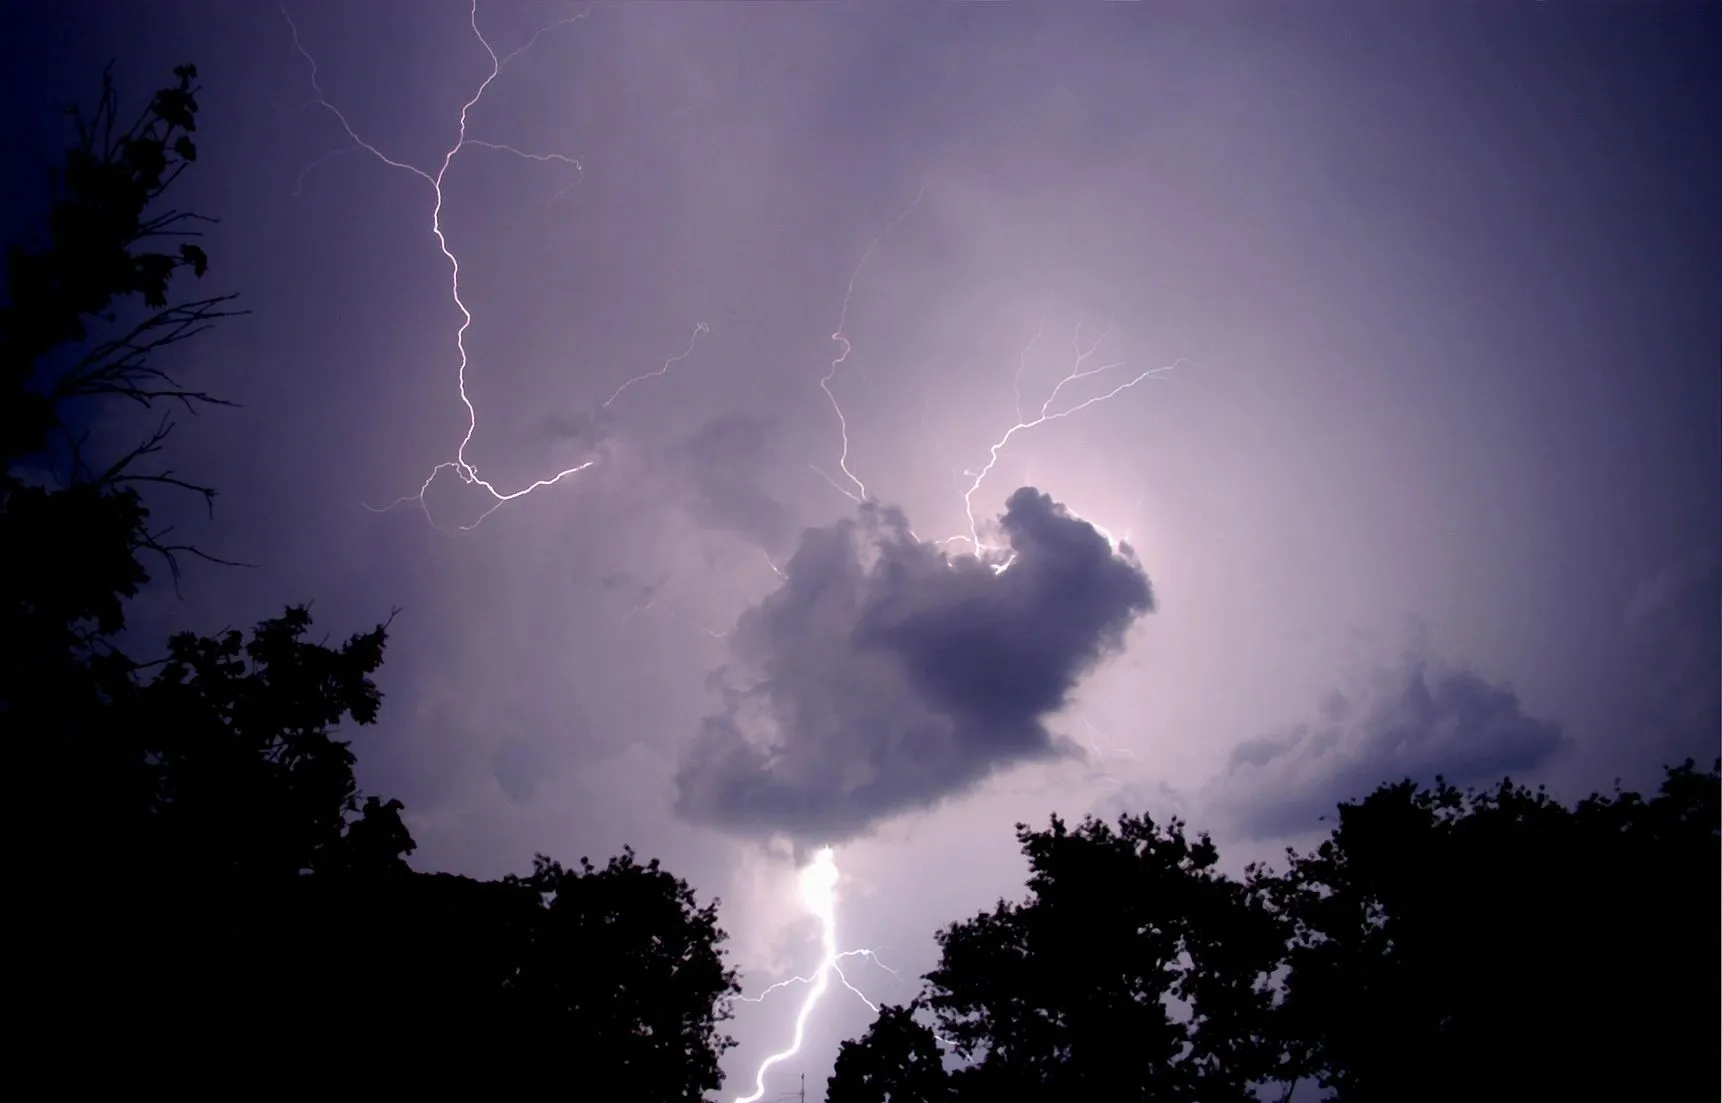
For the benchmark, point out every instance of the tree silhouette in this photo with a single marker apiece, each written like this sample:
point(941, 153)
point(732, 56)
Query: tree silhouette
point(73, 552)
point(623, 974)
point(1446, 940)
point(898, 1060)
point(1438, 945)
point(564, 978)
point(202, 885)
point(95, 262)
point(1134, 970)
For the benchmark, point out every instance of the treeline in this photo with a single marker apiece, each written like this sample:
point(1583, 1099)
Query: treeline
point(1439, 945)
point(209, 903)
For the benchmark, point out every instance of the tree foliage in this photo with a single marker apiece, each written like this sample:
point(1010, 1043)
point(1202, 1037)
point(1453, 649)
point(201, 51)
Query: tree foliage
point(99, 255)
point(86, 311)
point(204, 886)
point(1448, 939)
point(1134, 970)
point(1438, 945)
point(897, 1059)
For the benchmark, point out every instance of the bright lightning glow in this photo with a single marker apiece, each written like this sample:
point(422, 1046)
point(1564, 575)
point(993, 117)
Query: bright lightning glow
point(460, 465)
point(1049, 412)
point(818, 884)
point(819, 896)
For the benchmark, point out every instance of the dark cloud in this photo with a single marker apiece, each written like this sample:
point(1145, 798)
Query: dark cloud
point(727, 462)
point(886, 675)
point(1416, 720)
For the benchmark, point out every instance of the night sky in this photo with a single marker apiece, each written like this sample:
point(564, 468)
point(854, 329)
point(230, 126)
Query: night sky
point(1412, 464)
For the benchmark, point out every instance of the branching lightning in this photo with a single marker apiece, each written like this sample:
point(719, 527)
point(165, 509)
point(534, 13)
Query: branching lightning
point(460, 465)
point(1050, 409)
point(819, 896)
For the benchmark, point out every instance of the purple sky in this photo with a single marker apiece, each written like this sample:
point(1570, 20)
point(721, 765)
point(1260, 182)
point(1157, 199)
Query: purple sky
point(1432, 484)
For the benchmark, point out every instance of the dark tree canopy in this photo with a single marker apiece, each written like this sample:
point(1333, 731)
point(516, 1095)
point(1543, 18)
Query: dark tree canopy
point(1083, 991)
point(1449, 939)
point(897, 1059)
point(207, 897)
point(1439, 945)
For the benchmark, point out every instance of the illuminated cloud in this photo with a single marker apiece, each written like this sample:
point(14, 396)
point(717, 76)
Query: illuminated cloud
point(886, 675)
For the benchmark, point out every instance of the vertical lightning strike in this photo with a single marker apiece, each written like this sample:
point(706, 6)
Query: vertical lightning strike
point(460, 465)
point(819, 895)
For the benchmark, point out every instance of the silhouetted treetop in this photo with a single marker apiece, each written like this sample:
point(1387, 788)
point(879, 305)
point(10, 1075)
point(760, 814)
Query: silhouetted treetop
point(96, 258)
point(244, 771)
point(1083, 990)
point(1481, 936)
point(1438, 945)
point(899, 1059)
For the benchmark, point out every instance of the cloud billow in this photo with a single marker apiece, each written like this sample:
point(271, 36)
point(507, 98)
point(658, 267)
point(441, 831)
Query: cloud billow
point(886, 675)
point(1419, 719)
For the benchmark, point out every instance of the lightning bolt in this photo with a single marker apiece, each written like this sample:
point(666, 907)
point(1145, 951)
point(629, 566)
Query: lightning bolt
point(837, 966)
point(460, 465)
point(819, 895)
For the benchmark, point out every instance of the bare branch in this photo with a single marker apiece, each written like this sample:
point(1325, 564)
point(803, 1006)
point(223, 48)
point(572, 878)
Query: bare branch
point(152, 542)
point(120, 364)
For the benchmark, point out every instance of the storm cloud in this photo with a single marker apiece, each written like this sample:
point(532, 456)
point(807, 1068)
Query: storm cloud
point(886, 674)
point(1418, 719)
